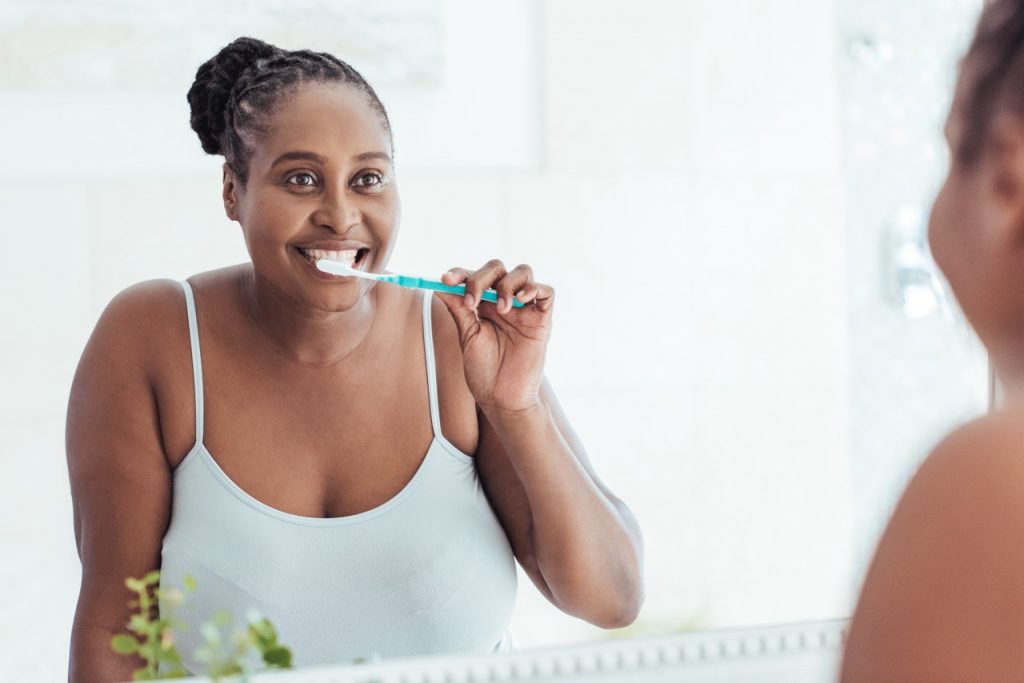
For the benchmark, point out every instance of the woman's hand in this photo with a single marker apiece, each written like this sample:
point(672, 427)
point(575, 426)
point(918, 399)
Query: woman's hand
point(502, 347)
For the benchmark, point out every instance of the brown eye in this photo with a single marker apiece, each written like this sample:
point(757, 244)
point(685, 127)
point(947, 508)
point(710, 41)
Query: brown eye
point(312, 180)
point(370, 180)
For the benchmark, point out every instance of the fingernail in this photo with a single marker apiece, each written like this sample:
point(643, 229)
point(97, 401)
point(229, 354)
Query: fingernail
point(501, 304)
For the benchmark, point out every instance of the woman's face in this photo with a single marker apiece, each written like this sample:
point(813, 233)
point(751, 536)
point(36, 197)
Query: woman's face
point(967, 232)
point(320, 179)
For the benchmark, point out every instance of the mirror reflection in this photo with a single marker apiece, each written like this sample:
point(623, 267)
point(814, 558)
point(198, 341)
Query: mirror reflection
point(752, 347)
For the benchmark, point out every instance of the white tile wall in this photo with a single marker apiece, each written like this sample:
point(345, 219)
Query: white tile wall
point(616, 103)
point(151, 228)
point(46, 285)
point(915, 378)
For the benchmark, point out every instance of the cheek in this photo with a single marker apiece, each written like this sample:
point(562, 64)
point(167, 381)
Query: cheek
point(385, 218)
point(271, 221)
point(949, 225)
point(938, 226)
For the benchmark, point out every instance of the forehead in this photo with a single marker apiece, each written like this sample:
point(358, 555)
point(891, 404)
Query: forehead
point(335, 120)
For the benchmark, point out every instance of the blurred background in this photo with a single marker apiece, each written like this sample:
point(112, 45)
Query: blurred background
point(730, 198)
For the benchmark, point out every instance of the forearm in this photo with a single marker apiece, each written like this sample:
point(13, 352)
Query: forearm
point(93, 661)
point(587, 544)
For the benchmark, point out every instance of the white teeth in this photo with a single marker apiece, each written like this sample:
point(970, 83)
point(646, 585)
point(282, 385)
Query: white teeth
point(348, 257)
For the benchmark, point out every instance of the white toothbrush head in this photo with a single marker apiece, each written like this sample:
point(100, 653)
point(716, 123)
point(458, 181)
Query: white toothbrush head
point(342, 269)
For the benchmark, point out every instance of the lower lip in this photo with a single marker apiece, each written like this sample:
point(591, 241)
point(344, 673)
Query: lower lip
point(321, 275)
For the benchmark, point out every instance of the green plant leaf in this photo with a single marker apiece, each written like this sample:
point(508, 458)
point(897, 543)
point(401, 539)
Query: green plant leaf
point(225, 669)
point(139, 624)
point(222, 618)
point(210, 632)
point(278, 656)
point(150, 650)
point(124, 644)
point(263, 631)
point(225, 652)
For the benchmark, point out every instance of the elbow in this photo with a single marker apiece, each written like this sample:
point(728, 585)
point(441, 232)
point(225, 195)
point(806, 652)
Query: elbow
point(628, 598)
point(608, 593)
point(621, 609)
point(621, 617)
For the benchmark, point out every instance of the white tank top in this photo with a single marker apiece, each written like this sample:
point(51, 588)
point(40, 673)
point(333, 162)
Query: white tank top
point(428, 572)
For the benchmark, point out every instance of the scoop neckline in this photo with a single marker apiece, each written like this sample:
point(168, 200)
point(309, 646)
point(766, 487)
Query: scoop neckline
point(199, 451)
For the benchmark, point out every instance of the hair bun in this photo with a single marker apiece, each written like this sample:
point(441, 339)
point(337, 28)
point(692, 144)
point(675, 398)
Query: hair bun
point(208, 96)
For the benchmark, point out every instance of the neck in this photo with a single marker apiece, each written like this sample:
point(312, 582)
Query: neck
point(1007, 359)
point(308, 337)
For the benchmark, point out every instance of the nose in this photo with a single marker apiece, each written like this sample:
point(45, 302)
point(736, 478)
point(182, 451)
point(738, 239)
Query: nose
point(338, 211)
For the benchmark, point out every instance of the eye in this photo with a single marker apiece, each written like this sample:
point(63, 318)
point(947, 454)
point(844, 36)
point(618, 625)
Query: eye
point(310, 176)
point(369, 180)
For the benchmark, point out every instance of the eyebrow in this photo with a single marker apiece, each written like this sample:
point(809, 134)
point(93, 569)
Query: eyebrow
point(313, 156)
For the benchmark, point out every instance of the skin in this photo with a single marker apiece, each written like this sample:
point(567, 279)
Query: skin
point(299, 366)
point(944, 597)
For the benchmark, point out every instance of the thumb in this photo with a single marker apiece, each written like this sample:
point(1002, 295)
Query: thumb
point(465, 317)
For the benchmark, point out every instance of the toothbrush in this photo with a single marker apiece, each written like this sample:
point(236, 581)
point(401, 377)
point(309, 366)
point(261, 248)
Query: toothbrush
point(339, 268)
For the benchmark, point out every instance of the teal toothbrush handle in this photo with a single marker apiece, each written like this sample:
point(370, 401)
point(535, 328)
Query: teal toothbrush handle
point(437, 286)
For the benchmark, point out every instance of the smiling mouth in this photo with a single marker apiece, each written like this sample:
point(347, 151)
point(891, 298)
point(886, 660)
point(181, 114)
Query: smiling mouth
point(353, 258)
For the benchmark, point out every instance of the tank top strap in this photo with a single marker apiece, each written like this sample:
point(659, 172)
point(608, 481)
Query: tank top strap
point(428, 348)
point(197, 361)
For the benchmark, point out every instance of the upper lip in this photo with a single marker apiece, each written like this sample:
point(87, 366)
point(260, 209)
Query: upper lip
point(334, 245)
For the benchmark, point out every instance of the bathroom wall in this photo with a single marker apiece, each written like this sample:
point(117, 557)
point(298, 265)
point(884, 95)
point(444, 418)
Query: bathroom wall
point(917, 367)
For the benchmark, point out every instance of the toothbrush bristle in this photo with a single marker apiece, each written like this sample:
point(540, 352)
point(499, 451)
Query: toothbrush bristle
point(333, 267)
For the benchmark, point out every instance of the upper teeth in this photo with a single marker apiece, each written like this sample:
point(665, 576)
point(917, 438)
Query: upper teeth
point(348, 257)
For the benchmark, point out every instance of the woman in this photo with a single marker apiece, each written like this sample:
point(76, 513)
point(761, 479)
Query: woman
point(944, 598)
point(319, 447)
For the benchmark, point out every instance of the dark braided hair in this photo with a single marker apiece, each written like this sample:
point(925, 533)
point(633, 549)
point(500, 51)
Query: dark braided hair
point(994, 67)
point(235, 93)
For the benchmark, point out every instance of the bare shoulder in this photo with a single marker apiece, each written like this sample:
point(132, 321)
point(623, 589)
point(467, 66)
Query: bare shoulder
point(458, 407)
point(979, 466)
point(115, 375)
point(944, 597)
point(141, 313)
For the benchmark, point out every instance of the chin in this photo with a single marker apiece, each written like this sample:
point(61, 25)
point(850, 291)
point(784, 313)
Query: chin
point(345, 298)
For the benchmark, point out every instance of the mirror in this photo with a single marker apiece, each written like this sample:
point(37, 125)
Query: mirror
point(751, 339)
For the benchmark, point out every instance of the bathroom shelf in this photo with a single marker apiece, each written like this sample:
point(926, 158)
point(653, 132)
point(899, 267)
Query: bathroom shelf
point(796, 653)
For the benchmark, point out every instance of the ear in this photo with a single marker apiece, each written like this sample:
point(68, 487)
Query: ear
point(1006, 173)
point(230, 193)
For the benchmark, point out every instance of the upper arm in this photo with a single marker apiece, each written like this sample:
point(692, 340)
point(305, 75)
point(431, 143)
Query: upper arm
point(944, 598)
point(120, 479)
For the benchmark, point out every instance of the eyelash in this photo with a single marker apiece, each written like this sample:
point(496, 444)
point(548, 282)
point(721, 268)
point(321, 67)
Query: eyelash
point(378, 176)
